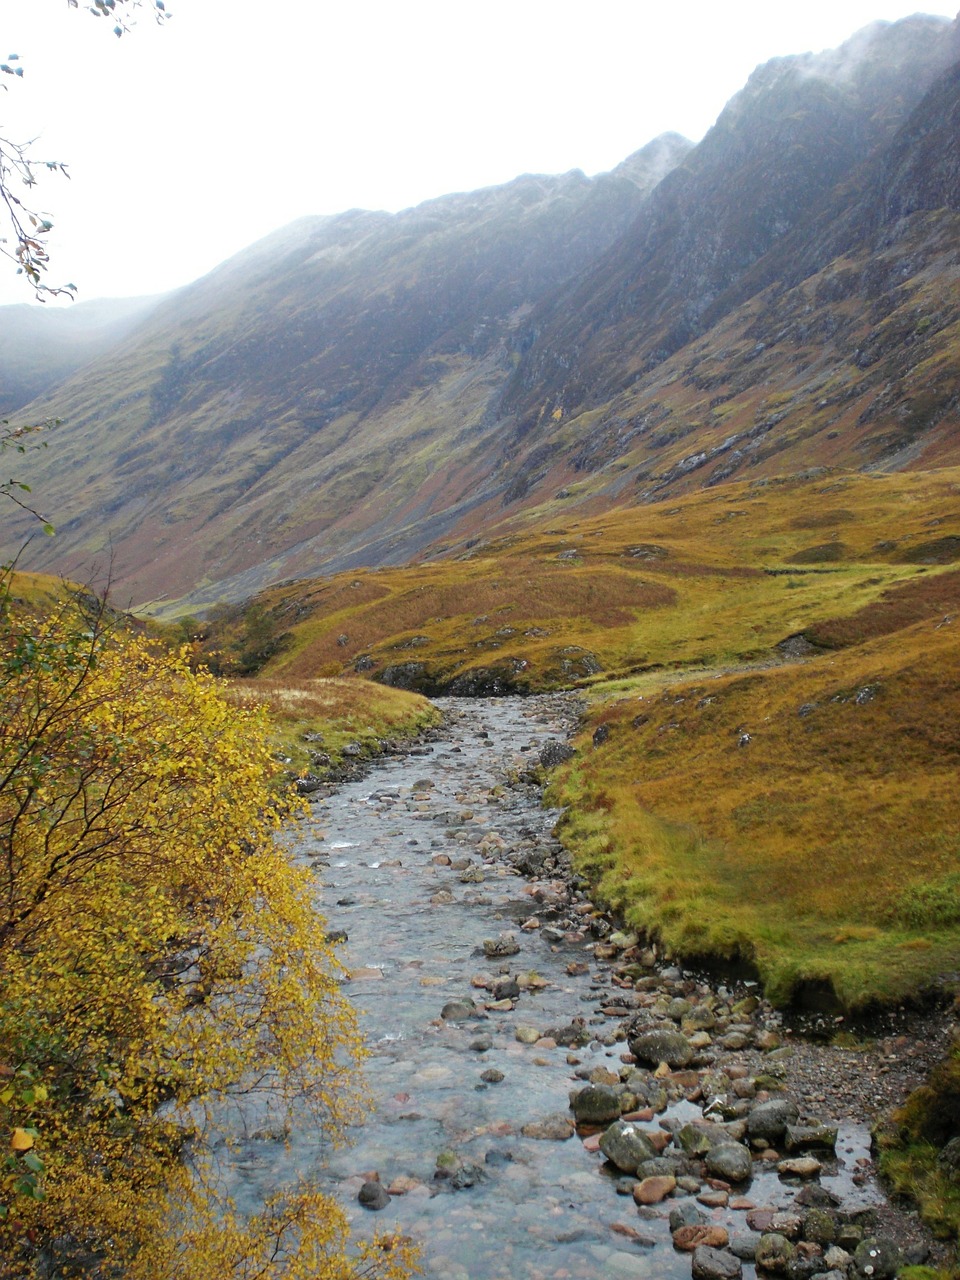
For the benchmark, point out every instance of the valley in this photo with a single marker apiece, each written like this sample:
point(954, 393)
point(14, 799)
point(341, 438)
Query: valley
point(614, 521)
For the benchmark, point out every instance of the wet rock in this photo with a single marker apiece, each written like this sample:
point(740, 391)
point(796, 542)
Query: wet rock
point(468, 1175)
point(662, 1044)
point(482, 1044)
point(787, 1224)
point(877, 1259)
point(769, 1120)
point(685, 1214)
point(505, 944)
point(654, 1190)
point(715, 1264)
point(595, 1103)
point(730, 1161)
point(373, 1195)
point(819, 1226)
point(526, 1035)
point(774, 1253)
point(555, 1128)
point(811, 1137)
point(799, 1167)
point(697, 1138)
point(744, 1245)
point(626, 1146)
point(491, 1076)
point(702, 1235)
point(459, 1011)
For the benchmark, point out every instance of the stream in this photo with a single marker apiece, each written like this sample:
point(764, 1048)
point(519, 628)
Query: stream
point(416, 863)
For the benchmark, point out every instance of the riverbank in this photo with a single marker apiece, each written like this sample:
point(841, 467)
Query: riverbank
point(492, 986)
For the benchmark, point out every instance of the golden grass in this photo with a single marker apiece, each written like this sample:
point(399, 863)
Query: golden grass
point(806, 816)
point(334, 712)
point(824, 847)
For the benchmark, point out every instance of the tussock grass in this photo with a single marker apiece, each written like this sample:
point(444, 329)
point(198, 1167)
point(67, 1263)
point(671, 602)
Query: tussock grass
point(334, 712)
point(806, 817)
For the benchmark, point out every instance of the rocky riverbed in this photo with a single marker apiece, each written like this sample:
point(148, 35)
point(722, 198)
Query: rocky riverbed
point(549, 1097)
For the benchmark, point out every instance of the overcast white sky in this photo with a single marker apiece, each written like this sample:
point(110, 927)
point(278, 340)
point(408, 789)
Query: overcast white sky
point(188, 142)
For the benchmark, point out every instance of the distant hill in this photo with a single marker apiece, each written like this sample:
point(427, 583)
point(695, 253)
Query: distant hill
point(368, 388)
point(41, 346)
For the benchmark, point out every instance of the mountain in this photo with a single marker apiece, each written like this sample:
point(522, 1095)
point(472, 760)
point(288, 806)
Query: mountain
point(367, 388)
point(41, 346)
point(272, 399)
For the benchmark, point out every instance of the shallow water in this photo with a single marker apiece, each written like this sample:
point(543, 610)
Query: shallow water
point(540, 1208)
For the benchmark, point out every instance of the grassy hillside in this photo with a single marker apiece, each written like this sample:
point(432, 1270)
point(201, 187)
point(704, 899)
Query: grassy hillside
point(768, 763)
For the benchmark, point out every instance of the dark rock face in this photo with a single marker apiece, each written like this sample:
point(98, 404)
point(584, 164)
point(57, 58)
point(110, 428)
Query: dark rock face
point(780, 146)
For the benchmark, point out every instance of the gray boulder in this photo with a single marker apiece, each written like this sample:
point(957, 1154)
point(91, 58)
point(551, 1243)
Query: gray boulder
point(730, 1161)
point(769, 1120)
point(877, 1259)
point(373, 1195)
point(662, 1044)
point(626, 1146)
point(596, 1104)
point(715, 1264)
point(811, 1137)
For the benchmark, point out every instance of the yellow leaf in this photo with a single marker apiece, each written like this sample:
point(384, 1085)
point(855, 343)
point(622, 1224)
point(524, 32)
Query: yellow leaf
point(21, 1140)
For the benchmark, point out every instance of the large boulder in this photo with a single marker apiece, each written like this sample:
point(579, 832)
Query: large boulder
point(769, 1120)
point(877, 1259)
point(715, 1264)
point(730, 1161)
point(626, 1146)
point(662, 1044)
point(596, 1104)
point(774, 1253)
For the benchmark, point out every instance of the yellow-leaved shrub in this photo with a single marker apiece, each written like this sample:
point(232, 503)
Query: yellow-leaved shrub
point(158, 954)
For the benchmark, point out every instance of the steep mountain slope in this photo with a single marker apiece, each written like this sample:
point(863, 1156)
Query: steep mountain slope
point(363, 389)
point(269, 400)
point(41, 346)
point(775, 155)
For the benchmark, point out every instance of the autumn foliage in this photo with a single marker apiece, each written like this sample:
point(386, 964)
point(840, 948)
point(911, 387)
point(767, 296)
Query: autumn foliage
point(159, 955)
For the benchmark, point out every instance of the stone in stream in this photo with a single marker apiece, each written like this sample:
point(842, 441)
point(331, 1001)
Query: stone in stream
point(768, 1120)
point(685, 1214)
point(662, 1044)
point(527, 1035)
point(505, 944)
point(462, 1010)
point(595, 1103)
point(654, 1190)
point(820, 1226)
point(811, 1137)
point(730, 1161)
point(555, 1128)
point(491, 1076)
point(686, 1239)
point(799, 1167)
point(373, 1195)
point(697, 1138)
point(774, 1253)
point(715, 1264)
point(626, 1146)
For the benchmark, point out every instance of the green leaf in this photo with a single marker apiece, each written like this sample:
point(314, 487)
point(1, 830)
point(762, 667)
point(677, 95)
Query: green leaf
point(34, 1163)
